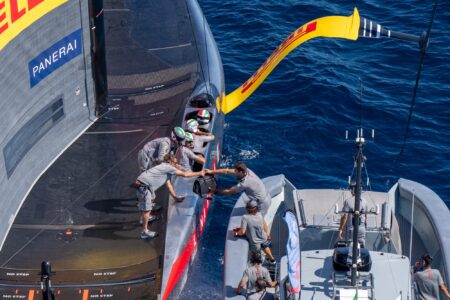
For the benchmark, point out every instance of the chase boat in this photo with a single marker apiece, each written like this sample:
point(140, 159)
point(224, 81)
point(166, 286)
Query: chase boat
point(402, 224)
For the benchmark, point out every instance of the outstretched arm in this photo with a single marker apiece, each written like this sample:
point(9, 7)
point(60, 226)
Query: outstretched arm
point(190, 174)
point(444, 289)
point(269, 281)
point(200, 159)
point(242, 285)
point(241, 231)
point(266, 229)
point(230, 191)
point(172, 191)
point(205, 133)
point(222, 171)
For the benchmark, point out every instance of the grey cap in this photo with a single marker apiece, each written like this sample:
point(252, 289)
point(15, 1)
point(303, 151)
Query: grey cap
point(252, 204)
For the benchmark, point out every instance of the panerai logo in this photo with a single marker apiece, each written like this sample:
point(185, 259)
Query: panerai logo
point(54, 57)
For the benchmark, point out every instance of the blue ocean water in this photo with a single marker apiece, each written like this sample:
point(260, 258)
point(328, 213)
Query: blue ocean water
point(295, 122)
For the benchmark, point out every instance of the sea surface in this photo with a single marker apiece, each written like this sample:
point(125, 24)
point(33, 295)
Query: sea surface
point(295, 122)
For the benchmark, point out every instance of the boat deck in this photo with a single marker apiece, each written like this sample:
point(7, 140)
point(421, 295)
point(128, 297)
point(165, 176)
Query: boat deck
point(82, 216)
point(319, 205)
point(390, 271)
point(317, 280)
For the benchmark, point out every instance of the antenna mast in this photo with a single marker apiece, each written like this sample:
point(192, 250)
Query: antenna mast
point(359, 159)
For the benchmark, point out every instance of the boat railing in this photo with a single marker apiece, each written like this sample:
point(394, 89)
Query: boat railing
point(431, 224)
point(341, 281)
point(301, 210)
point(322, 206)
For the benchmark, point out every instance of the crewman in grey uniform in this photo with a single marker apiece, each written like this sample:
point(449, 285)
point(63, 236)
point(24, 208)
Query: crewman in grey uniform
point(255, 229)
point(261, 293)
point(200, 137)
point(185, 156)
point(151, 180)
point(249, 183)
point(429, 281)
point(346, 219)
point(154, 151)
point(254, 273)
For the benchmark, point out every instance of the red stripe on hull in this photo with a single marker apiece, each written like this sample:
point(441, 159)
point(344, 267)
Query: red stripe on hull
point(182, 261)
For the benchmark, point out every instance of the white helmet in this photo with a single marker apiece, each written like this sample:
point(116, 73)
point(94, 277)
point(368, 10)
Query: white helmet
point(189, 138)
point(203, 117)
point(178, 134)
point(191, 125)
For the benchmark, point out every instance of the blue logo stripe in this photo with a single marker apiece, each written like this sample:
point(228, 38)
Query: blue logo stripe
point(54, 57)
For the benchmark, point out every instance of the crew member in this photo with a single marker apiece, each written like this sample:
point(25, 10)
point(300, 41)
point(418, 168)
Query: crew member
point(255, 229)
point(249, 183)
point(151, 180)
point(203, 118)
point(185, 156)
point(346, 219)
point(254, 273)
point(200, 137)
point(429, 281)
point(261, 293)
point(154, 151)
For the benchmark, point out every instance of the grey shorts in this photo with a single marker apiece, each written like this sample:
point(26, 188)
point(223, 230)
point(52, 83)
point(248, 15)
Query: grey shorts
point(146, 198)
point(258, 247)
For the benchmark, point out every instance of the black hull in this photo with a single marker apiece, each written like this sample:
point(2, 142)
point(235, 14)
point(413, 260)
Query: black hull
point(82, 217)
point(71, 140)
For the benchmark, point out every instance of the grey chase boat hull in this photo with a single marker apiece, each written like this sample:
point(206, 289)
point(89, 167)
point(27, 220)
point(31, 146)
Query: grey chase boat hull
point(388, 240)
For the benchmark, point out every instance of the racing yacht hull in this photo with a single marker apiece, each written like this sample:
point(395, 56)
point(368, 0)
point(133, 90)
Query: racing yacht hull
point(91, 82)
